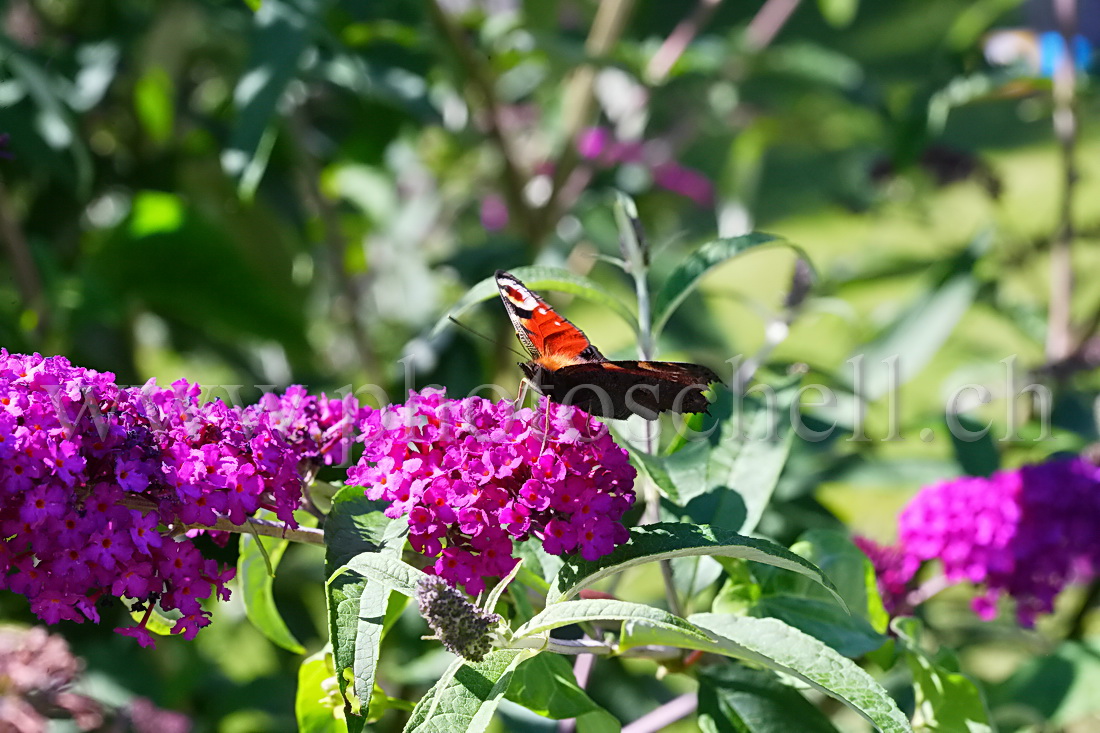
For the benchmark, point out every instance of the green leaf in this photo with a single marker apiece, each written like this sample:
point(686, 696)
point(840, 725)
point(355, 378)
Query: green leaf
point(576, 612)
point(946, 700)
point(354, 527)
point(386, 570)
point(804, 605)
point(317, 705)
point(779, 647)
point(737, 699)
point(468, 694)
point(538, 277)
point(545, 684)
point(666, 540)
point(915, 336)
point(54, 122)
point(728, 478)
point(279, 37)
point(1059, 688)
point(651, 468)
point(255, 582)
point(685, 278)
point(974, 450)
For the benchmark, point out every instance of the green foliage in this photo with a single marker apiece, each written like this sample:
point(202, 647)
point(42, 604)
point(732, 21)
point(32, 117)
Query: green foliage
point(257, 563)
point(946, 700)
point(254, 194)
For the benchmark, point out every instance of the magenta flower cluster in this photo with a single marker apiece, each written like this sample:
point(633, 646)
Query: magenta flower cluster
point(97, 481)
point(474, 477)
point(319, 428)
point(1024, 533)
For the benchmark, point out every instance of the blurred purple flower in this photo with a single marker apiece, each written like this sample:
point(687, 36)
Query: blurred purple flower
point(598, 144)
point(894, 569)
point(474, 477)
point(5, 138)
point(1025, 533)
point(494, 213)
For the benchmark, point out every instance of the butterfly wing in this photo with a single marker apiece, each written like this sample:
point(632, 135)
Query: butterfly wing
point(547, 336)
point(618, 389)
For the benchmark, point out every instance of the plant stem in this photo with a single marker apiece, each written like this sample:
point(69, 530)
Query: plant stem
point(481, 79)
point(26, 274)
point(677, 42)
point(607, 27)
point(266, 528)
point(322, 208)
point(1059, 323)
point(666, 715)
point(562, 646)
point(767, 23)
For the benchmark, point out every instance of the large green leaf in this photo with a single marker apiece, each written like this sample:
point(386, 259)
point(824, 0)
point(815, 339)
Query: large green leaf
point(468, 694)
point(737, 699)
point(317, 706)
point(667, 540)
point(356, 606)
point(538, 277)
point(355, 525)
point(914, 337)
point(773, 644)
point(545, 684)
point(255, 579)
point(685, 278)
point(804, 605)
point(388, 571)
point(727, 476)
point(946, 700)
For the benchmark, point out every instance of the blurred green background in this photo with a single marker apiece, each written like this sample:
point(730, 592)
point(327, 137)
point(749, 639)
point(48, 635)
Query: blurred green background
point(296, 191)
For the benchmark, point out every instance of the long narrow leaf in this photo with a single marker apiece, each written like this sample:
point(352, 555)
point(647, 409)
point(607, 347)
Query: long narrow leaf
point(667, 540)
point(685, 278)
point(773, 644)
point(255, 583)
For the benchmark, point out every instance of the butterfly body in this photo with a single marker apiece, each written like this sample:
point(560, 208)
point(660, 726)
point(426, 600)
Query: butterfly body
point(568, 369)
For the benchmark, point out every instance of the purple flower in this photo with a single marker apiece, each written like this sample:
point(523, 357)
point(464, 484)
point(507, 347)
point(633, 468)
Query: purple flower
point(894, 569)
point(93, 476)
point(1024, 533)
point(494, 213)
point(474, 477)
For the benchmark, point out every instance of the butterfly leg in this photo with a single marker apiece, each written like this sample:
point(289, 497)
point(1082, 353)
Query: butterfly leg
point(520, 394)
point(545, 426)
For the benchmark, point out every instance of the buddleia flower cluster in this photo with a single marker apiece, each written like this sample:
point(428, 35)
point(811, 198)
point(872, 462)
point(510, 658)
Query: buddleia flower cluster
point(321, 429)
point(97, 481)
point(462, 628)
point(1023, 533)
point(474, 477)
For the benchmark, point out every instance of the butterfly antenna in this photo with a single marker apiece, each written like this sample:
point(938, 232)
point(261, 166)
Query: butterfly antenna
point(493, 341)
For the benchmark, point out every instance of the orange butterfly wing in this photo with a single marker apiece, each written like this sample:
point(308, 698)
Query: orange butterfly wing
point(568, 369)
point(549, 337)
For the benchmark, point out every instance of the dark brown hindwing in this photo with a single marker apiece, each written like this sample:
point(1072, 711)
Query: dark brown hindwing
point(618, 389)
